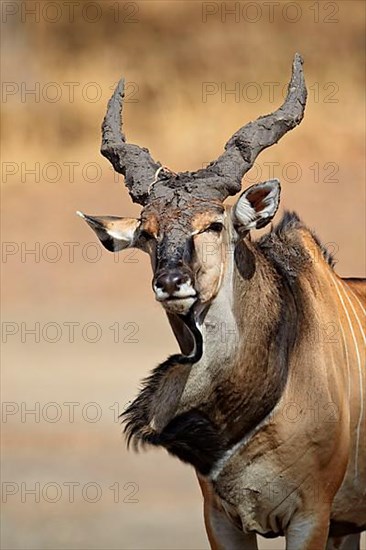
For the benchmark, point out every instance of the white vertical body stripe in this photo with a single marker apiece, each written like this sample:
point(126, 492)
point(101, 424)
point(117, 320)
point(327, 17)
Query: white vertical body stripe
point(358, 301)
point(347, 363)
point(357, 318)
point(359, 372)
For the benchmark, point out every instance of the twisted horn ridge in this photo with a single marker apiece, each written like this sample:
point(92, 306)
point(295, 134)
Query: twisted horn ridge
point(134, 162)
point(245, 145)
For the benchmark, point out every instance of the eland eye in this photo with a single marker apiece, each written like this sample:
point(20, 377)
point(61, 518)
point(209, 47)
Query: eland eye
point(216, 227)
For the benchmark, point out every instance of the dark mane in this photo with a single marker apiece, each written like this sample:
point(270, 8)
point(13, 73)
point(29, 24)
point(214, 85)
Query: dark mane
point(283, 247)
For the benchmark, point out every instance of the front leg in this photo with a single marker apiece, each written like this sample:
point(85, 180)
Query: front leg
point(221, 532)
point(227, 536)
point(308, 531)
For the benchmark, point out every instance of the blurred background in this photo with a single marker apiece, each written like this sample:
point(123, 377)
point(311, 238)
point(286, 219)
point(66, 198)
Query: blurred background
point(80, 327)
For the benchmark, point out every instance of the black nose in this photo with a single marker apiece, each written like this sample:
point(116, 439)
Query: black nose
point(171, 281)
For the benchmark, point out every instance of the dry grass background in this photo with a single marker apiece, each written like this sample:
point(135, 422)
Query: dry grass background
point(168, 54)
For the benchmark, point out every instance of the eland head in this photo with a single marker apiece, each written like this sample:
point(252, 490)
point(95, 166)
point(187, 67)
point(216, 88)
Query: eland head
point(184, 226)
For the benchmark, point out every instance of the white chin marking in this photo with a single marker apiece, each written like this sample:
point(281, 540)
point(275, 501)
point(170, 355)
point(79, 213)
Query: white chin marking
point(180, 306)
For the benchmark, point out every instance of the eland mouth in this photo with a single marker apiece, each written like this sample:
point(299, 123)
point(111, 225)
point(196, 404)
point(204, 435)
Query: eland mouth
point(174, 290)
point(176, 303)
point(186, 315)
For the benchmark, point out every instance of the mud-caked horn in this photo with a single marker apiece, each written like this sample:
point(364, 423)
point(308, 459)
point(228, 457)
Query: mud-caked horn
point(134, 162)
point(245, 145)
point(147, 180)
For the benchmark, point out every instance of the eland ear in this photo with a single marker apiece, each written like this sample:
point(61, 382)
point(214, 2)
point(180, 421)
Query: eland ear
point(257, 205)
point(114, 233)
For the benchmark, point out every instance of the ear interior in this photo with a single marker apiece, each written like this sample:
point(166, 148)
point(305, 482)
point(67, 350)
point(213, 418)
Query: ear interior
point(258, 204)
point(114, 233)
